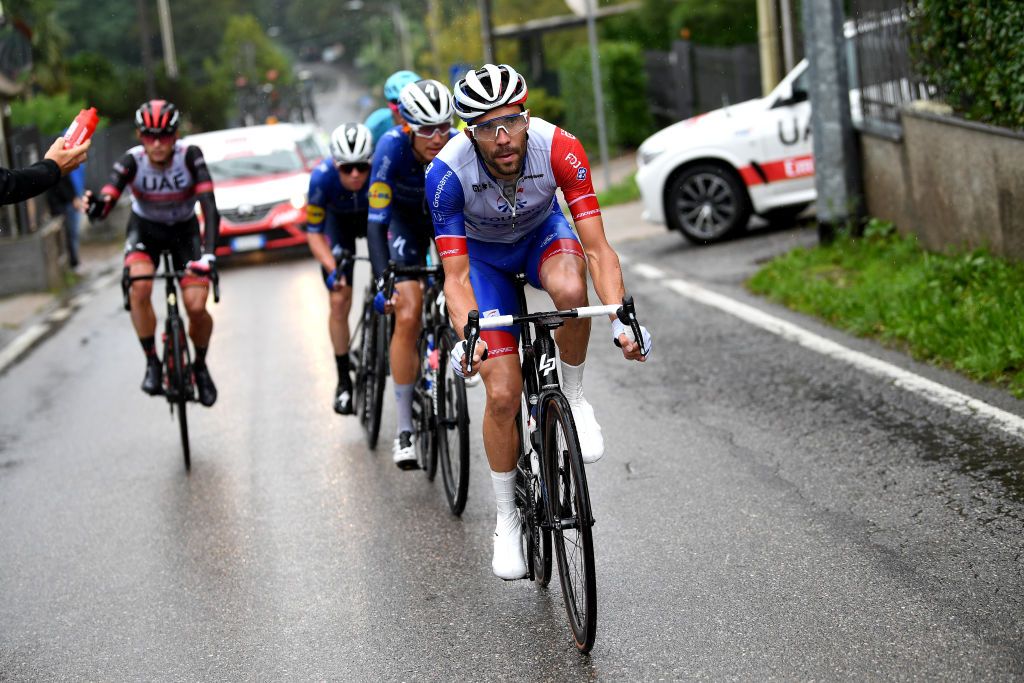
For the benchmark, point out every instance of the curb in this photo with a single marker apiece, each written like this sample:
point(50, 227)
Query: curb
point(58, 312)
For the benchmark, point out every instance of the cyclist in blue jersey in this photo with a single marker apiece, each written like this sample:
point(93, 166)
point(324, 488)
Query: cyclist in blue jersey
point(336, 215)
point(400, 229)
point(382, 120)
point(492, 194)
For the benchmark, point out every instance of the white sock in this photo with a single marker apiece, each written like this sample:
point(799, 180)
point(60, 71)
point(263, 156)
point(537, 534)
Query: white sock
point(572, 382)
point(403, 399)
point(504, 484)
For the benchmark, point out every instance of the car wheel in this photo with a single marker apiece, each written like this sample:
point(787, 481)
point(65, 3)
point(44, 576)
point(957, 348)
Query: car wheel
point(707, 203)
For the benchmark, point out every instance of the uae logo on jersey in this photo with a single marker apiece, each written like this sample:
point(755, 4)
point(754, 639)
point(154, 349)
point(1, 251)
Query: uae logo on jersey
point(379, 195)
point(581, 173)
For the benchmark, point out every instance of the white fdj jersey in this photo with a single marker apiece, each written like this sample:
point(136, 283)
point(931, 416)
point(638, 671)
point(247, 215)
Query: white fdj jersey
point(467, 201)
point(162, 195)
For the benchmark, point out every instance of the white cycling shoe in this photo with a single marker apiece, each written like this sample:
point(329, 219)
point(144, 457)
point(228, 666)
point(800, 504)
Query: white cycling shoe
point(403, 453)
point(508, 562)
point(589, 432)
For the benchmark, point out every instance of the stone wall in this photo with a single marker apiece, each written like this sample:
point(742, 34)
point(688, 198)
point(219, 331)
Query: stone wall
point(34, 262)
point(953, 183)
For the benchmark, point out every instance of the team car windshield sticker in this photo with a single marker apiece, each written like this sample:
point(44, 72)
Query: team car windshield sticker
point(379, 195)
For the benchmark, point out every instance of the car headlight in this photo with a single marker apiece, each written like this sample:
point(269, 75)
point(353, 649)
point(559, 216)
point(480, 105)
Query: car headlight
point(299, 200)
point(649, 155)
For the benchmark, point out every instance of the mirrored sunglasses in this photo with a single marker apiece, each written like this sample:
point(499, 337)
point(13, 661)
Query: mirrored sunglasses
point(431, 131)
point(512, 124)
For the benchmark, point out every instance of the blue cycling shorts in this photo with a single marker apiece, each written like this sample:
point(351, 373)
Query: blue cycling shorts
point(494, 265)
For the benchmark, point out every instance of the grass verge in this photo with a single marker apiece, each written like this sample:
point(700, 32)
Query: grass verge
point(626, 190)
point(964, 311)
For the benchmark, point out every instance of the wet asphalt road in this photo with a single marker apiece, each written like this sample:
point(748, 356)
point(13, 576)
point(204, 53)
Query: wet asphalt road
point(762, 512)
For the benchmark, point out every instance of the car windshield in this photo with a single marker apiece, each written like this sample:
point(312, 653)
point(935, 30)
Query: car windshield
point(277, 161)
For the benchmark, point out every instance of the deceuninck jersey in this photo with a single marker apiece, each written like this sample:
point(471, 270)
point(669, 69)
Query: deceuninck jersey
point(162, 195)
point(327, 194)
point(467, 201)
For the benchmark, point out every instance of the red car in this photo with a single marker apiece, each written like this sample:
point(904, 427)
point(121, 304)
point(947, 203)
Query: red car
point(260, 177)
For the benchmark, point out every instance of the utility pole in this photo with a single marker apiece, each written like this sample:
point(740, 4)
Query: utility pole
point(788, 37)
point(595, 75)
point(147, 51)
point(837, 166)
point(402, 29)
point(167, 36)
point(434, 22)
point(768, 44)
point(485, 30)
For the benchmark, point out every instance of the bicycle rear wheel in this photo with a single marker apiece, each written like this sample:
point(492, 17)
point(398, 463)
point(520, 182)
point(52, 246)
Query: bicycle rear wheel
point(452, 424)
point(176, 365)
point(570, 516)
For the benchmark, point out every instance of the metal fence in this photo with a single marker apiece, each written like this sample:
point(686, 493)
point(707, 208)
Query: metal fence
point(885, 78)
point(691, 79)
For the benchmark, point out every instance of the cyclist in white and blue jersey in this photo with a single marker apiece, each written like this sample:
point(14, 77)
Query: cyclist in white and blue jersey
point(492, 194)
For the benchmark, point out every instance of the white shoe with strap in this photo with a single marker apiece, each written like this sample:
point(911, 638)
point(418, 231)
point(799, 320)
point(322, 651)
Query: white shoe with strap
point(508, 562)
point(589, 432)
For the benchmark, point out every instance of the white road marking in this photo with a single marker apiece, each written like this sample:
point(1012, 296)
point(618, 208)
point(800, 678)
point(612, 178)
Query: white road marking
point(649, 272)
point(926, 388)
point(21, 344)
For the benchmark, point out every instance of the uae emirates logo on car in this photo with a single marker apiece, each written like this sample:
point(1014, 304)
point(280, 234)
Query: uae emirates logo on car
point(379, 195)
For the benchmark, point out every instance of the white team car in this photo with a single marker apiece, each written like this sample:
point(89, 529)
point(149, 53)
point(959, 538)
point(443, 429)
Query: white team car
point(706, 175)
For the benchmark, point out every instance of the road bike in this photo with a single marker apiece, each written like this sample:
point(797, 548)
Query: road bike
point(179, 384)
point(369, 359)
point(551, 482)
point(440, 408)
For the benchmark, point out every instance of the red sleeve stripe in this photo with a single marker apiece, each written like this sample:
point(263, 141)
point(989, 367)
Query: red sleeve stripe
point(581, 198)
point(111, 190)
point(204, 187)
point(585, 209)
point(451, 245)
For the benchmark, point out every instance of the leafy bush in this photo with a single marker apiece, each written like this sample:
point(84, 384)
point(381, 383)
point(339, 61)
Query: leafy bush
point(959, 310)
point(708, 22)
point(546, 106)
point(973, 51)
point(51, 114)
point(624, 80)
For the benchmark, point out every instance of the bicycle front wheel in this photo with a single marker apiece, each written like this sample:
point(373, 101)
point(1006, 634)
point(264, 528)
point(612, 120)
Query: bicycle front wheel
point(423, 410)
point(373, 367)
point(176, 365)
point(571, 519)
point(452, 424)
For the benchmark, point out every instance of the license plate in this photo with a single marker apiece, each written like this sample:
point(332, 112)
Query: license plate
point(247, 243)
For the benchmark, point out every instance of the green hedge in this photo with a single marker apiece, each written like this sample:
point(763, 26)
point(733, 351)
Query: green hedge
point(973, 51)
point(625, 98)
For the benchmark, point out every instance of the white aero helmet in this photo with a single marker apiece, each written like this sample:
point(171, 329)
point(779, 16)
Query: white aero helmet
point(425, 103)
point(487, 88)
point(351, 143)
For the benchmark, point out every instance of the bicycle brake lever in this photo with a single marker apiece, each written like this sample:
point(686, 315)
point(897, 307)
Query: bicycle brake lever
point(215, 278)
point(627, 316)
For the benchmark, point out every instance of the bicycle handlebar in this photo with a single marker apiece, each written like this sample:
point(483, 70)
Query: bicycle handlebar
point(127, 280)
point(626, 313)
